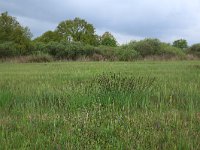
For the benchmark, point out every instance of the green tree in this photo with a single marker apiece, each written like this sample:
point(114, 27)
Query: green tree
point(49, 36)
point(7, 25)
point(108, 39)
point(12, 31)
point(181, 43)
point(77, 30)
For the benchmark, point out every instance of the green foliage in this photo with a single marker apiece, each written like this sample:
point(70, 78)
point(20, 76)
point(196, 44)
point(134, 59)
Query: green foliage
point(54, 48)
point(153, 47)
point(49, 36)
point(117, 53)
point(107, 39)
point(12, 31)
point(195, 49)
point(8, 49)
point(75, 50)
point(109, 53)
point(77, 30)
point(71, 50)
point(39, 47)
point(182, 44)
point(127, 54)
point(65, 50)
point(170, 51)
point(148, 47)
point(8, 25)
point(130, 45)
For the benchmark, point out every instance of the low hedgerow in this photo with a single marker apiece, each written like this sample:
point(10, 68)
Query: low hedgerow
point(77, 51)
point(153, 47)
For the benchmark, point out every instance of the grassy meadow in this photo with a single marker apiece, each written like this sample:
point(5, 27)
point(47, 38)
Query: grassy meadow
point(100, 105)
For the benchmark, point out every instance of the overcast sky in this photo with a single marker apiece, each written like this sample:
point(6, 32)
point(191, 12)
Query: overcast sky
point(128, 20)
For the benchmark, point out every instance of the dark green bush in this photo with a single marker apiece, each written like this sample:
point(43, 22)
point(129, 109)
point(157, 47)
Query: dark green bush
point(153, 47)
point(181, 43)
point(64, 50)
point(127, 52)
point(90, 50)
point(122, 53)
point(148, 47)
point(171, 51)
point(130, 45)
point(51, 48)
point(54, 48)
point(39, 46)
point(195, 49)
point(74, 50)
point(107, 52)
point(126, 55)
point(8, 49)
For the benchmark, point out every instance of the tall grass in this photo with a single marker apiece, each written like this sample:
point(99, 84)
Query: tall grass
point(119, 105)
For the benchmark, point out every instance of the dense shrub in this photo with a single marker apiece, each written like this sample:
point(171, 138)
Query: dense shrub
point(39, 47)
point(181, 43)
point(8, 49)
point(195, 50)
point(108, 52)
point(53, 48)
point(68, 50)
point(127, 55)
point(74, 50)
point(171, 51)
point(148, 47)
point(13, 36)
point(127, 52)
point(130, 45)
point(117, 53)
point(153, 47)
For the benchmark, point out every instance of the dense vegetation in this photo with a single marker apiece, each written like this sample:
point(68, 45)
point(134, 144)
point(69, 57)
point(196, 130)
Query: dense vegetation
point(107, 105)
point(76, 39)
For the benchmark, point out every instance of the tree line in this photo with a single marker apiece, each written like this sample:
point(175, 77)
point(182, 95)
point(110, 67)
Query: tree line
point(77, 38)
